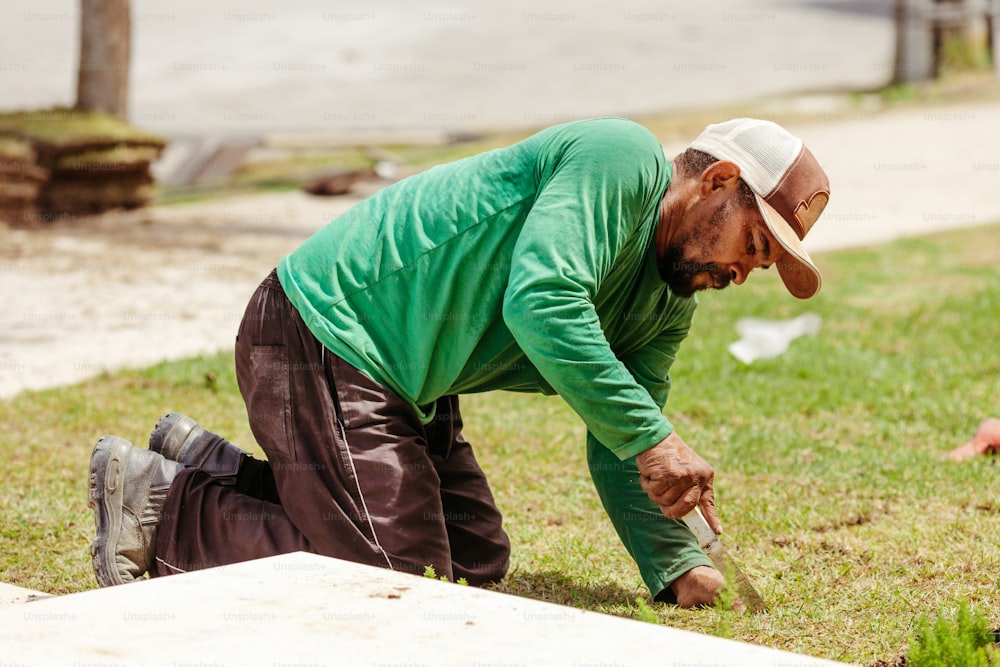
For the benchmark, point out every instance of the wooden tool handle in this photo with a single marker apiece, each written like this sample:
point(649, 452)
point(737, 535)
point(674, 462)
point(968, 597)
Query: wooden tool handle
point(707, 538)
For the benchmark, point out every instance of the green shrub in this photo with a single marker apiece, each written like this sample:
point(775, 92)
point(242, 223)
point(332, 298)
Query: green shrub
point(960, 642)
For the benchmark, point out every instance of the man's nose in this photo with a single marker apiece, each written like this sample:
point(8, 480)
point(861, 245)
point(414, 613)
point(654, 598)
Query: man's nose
point(738, 274)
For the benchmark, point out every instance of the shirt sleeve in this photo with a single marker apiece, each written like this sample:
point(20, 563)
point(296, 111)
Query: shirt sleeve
point(650, 365)
point(597, 187)
point(662, 548)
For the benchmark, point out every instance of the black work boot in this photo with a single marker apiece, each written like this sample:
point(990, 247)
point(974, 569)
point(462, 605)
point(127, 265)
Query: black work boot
point(180, 438)
point(127, 489)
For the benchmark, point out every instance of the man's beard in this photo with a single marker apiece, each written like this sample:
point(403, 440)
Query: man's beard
point(679, 272)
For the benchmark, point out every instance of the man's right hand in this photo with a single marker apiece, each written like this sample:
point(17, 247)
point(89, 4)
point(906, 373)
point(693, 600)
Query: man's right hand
point(678, 480)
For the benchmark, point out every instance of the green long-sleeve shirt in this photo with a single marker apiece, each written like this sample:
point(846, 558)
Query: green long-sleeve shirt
point(527, 268)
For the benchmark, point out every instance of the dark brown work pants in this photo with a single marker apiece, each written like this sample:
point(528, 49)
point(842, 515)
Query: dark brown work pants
point(358, 476)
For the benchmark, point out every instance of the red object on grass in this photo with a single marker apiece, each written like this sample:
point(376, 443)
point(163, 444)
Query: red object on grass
point(985, 441)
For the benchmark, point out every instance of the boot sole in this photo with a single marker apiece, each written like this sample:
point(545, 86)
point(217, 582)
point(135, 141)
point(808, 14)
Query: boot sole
point(108, 465)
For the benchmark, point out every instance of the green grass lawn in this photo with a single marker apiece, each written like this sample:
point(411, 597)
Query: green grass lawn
point(830, 479)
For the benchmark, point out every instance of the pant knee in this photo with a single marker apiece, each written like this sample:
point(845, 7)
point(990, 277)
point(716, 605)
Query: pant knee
point(486, 570)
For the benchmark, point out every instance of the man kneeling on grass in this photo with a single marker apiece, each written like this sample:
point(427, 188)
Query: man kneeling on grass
point(566, 263)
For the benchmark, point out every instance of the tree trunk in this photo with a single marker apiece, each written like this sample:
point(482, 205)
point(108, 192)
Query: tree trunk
point(105, 35)
point(934, 37)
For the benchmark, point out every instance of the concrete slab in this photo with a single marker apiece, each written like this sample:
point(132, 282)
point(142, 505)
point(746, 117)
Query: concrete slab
point(11, 594)
point(307, 609)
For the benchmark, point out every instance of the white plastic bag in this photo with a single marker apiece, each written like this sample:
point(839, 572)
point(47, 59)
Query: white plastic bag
point(766, 339)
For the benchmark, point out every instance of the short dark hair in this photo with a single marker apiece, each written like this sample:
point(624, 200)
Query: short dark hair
point(692, 162)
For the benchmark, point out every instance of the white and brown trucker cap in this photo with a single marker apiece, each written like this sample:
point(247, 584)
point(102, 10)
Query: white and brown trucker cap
point(790, 186)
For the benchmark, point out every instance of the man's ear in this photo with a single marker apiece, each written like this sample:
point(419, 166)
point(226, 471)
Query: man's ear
point(720, 177)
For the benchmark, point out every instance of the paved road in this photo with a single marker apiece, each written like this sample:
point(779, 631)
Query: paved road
point(357, 67)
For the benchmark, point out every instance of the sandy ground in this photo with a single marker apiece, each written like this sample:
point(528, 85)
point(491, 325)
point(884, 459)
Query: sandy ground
point(131, 289)
point(126, 289)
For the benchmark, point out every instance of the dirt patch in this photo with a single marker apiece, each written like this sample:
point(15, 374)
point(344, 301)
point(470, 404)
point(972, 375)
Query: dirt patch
point(856, 520)
point(899, 661)
point(852, 521)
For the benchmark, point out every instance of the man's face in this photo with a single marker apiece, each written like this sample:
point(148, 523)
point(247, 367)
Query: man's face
point(715, 246)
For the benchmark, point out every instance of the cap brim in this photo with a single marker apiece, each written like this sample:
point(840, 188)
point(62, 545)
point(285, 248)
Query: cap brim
point(801, 277)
